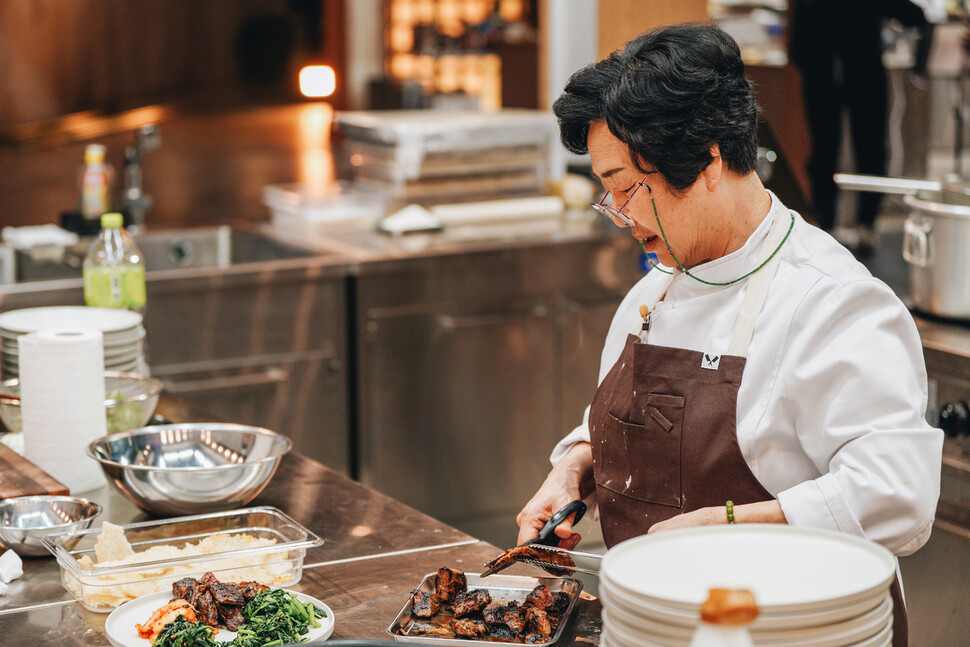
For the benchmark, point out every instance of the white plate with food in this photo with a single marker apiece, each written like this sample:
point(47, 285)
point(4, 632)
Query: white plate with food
point(121, 631)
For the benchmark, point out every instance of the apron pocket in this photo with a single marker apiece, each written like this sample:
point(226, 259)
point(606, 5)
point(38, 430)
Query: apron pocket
point(642, 462)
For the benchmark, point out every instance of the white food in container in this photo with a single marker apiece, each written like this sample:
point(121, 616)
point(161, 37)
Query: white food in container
point(180, 547)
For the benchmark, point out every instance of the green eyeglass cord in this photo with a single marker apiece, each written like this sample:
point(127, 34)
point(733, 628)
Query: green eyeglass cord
point(686, 271)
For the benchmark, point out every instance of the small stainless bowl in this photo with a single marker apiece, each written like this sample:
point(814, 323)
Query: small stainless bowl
point(190, 468)
point(25, 520)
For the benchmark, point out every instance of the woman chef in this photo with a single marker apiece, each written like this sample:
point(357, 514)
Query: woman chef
point(759, 363)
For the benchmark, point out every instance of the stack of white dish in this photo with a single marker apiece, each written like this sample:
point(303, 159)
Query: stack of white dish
point(124, 335)
point(814, 588)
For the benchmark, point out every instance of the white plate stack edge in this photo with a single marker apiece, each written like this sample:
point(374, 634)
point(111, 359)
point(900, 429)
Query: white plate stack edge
point(124, 334)
point(814, 588)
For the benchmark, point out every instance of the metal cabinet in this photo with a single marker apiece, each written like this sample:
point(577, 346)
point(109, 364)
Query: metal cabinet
point(267, 350)
point(261, 343)
point(471, 367)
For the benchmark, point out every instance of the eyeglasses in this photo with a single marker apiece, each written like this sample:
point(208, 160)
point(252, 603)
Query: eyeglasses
point(612, 212)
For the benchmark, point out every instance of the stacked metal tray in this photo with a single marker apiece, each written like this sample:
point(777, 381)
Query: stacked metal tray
point(433, 157)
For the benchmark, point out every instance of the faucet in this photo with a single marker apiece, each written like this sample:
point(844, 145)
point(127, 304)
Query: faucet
point(133, 198)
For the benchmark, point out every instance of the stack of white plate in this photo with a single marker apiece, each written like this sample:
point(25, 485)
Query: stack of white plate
point(814, 588)
point(124, 335)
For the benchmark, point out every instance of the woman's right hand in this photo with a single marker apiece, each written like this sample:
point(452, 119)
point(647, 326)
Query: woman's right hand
point(563, 485)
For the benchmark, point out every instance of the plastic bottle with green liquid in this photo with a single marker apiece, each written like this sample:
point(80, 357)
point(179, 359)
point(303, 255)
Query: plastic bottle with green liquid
point(114, 269)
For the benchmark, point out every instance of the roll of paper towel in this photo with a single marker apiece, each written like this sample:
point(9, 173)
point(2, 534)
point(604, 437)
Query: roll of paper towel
point(62, 403)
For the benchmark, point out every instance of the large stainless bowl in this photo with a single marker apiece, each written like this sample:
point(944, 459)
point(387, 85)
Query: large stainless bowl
point(25, 520)
point(190, 468)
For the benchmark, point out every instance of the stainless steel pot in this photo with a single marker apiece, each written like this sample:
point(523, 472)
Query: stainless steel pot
point(936, 239)
point(936, 245)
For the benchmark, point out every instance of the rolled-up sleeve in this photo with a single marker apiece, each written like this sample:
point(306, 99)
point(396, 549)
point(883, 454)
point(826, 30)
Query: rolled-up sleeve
point(854, 382)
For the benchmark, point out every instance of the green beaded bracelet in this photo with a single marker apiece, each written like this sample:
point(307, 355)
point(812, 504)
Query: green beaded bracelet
point(730, 511)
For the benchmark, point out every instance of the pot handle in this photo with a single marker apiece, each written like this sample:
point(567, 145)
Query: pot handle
point(917, 240)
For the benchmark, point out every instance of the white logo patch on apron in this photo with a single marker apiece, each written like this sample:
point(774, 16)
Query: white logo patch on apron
point(711, 361)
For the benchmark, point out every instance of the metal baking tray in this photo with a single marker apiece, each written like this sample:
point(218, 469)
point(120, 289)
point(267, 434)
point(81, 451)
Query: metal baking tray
point(504, 588)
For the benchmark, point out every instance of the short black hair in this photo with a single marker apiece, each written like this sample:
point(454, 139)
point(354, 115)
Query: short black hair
point(669, 94)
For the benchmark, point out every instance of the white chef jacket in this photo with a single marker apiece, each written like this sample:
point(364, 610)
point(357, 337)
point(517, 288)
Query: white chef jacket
point(830, 412)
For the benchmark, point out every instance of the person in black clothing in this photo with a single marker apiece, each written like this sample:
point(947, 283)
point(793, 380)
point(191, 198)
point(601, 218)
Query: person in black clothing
point(837, 46)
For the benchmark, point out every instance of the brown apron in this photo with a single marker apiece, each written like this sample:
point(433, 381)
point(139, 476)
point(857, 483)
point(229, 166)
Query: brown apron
point(663, 430)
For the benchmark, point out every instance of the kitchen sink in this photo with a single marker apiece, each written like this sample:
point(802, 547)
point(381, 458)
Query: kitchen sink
point(170, 249)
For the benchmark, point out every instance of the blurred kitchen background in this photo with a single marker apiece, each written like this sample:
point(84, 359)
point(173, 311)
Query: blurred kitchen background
point(90, 69)
point(438, 367)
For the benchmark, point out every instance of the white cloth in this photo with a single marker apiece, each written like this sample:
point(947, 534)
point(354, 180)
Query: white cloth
point(831, 407)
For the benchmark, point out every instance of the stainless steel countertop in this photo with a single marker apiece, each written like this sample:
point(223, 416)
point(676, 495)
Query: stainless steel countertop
point(367, 245)
point(375, 551)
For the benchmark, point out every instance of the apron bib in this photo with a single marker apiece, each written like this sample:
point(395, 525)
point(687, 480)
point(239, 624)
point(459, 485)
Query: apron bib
point(663, 430)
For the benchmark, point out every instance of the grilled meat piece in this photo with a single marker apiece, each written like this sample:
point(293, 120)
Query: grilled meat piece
point(251, 589)
point(494, 613)
point(562, 603)
point(468, 628)
point(423, 604)
point(449, 584)
point(421, 629)
point(217, 602)
point(208, 609)
point(532, 639)
point(528, 552)
point(514, 618)
point(503, 633)
point(188, 589)
point(231, 616)
point(540, 597)
point(183, 588)
point(537, 620)
point(227, 594)
point(470, 602)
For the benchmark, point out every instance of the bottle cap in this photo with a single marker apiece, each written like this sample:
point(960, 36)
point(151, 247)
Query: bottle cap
point(731, 607)
point(94, 153)
point(111, 220)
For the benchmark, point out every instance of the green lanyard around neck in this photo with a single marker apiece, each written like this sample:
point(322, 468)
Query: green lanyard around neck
point(686, 271)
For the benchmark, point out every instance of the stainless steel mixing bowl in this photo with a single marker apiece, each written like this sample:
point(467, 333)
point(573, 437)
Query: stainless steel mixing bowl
point(190, 468)
point(25, 520)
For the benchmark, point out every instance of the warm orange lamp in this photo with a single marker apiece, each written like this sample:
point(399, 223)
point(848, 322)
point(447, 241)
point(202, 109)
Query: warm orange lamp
point(317, 81)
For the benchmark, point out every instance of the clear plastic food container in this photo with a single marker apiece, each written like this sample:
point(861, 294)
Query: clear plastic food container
point(252, 544)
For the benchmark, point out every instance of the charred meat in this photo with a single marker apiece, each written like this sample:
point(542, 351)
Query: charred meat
point(474, 614)
point(208, 611)
point(227, 594)
point(231, 616)
point(424, 604)
point(529, 553)
point(562, 603)
point(449, 584)
point(514, 618)
point(537, 621)
point(421, 629)
point(494, 613)
point(540, 598)
point(468, 628)
point(217, 603)
point(470, 602)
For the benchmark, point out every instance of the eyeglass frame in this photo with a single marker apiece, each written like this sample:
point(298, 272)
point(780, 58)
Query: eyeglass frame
point(612, 212)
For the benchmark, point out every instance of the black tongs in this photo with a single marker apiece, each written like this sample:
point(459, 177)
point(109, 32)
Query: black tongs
point(541, 550)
